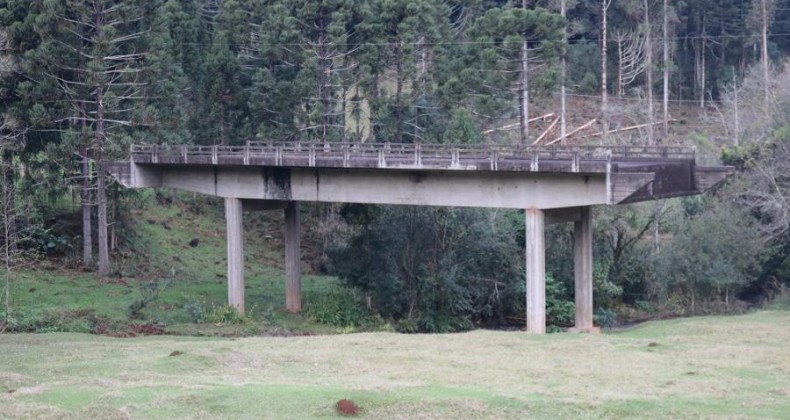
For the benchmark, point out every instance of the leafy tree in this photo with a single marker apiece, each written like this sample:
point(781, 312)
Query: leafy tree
point(433, 269)
point(701, 260)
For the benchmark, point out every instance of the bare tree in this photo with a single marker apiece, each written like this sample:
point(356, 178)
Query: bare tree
point(524, 87)
point(12, 139)
point(666, 67)
point(604, 57)
point(766, 8)
point(631, 51)
point(649, 69)
point(563, 71)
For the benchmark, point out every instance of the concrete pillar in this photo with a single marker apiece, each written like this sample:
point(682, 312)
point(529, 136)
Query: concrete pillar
point(583, 270)
point(293, 269)
point(536, 272)
point(235, 239)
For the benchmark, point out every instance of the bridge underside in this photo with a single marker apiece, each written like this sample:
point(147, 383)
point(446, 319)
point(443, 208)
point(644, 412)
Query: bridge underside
point(547, 197)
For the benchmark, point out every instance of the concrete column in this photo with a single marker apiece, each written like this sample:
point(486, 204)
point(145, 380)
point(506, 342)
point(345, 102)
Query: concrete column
point(583, 270)
point(235, 239)
point(293, 269)
point(536, 272)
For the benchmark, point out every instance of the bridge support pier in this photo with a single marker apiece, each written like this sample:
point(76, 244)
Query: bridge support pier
point(536, 271)
point(235, 240)
point(583, 270)
point(293, 269)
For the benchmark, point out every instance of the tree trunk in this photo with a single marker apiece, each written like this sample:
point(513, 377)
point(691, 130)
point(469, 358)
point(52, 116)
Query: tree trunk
point(649, 71)
point(85, 199)
point(399, 94)
point(604, 57)
point(101, 190)
point(765, 22)
point(563, 73)
point(620, 86)
point(701, 65)
point(324, 69)
point(10, 203)
point(524, 87)
point(373, 105)
point(666, 68)
point(524, 94)
point(737, 111)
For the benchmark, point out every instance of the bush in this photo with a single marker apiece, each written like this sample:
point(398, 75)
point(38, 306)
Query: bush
point(560, 310)
point(339, 307)
point(149, 292)
point(195, 310)
point(224, 314)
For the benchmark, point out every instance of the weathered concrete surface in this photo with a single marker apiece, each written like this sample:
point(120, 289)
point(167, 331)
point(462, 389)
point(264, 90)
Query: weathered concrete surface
point(517, 190)
point(583, 270)
point(536, 271)
point(293, 260)
point(235, 240)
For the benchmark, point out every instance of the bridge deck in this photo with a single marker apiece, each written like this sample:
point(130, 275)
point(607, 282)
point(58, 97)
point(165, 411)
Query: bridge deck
point(585, 159)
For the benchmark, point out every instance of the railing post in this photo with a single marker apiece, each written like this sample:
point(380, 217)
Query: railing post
point(417, 155)
point(278, 155)
point(382, 160)
point(247, 154)
point(494, 158)
point(214, 156)
point(155, 154)
point(456, 158)
point(184, 153)
point(311, 156)
point(346, 156)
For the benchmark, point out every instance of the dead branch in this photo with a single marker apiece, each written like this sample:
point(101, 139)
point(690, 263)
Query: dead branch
point(551, 127)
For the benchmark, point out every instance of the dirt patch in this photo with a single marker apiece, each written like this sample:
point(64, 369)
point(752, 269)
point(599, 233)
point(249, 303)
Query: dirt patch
point(347, 407)
point(134, 330)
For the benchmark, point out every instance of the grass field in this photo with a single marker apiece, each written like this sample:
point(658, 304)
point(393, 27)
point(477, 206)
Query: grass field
point(734, 367)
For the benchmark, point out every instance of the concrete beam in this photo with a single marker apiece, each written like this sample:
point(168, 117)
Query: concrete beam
point(515, 190)
point(583, 270)
point(536, 272)
point(293, 269)
point(235, 239)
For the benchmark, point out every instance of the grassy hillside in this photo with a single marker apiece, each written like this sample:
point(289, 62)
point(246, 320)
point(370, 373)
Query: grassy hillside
point(736, 367)
point(173, 259)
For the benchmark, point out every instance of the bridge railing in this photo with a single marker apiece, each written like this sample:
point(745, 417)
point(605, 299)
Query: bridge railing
point(380, 155)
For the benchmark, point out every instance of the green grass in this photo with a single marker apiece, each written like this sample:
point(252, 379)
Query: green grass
point(157, 249)
point(710, 367)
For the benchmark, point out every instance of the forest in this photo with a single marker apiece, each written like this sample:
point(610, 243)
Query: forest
point(81, 80)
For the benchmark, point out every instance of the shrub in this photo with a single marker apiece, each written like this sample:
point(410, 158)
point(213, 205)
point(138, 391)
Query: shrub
point(195, 310)
point(339, 307)
point(224, 314)
point(149, 292)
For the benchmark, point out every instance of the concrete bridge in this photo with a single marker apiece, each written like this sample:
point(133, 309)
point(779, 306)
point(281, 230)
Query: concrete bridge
point(552, 184)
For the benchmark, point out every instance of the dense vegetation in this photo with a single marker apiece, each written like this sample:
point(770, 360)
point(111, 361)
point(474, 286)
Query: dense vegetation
point(80, 80)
